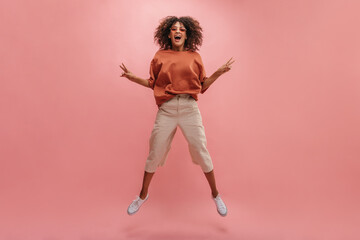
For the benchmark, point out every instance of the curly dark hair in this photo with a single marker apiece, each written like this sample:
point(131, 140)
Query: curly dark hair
point(193, 32)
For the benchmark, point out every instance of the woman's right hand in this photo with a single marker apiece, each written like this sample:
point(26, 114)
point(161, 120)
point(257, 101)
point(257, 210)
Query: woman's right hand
point(129, 75)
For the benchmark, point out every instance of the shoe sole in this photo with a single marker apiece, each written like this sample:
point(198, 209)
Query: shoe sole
point(132, 213)
point(223, 215)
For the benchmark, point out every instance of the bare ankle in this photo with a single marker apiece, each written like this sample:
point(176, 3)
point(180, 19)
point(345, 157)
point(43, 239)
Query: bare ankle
point(214, 194)
point(143, 194)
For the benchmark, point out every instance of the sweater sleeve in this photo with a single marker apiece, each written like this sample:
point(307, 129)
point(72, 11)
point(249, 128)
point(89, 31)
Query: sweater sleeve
point(153, 73)
point(202, 76)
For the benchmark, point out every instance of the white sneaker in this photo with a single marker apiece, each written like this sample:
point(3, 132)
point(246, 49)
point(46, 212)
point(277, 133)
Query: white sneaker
point(220, 205)
point(136, 204)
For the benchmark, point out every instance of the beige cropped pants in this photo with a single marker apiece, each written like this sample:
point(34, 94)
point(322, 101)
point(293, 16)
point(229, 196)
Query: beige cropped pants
point(182, 111)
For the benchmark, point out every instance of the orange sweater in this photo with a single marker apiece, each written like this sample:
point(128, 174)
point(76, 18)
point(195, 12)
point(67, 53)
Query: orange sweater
point(175, 72)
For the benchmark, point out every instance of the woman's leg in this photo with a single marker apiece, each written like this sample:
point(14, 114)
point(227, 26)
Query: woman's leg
point(159, 143)
point(136, 204)
point(220, 205)
point(145, 185)
point(163, 132)
point(211, 179)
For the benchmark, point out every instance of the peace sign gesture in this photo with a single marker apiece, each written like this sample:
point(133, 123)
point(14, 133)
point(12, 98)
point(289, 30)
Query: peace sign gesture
point(226, 67)
point(129, 75)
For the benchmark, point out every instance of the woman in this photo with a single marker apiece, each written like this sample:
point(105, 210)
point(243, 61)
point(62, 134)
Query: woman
point(177, 75)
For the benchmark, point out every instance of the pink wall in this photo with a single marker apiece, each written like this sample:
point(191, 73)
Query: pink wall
point(282, 126)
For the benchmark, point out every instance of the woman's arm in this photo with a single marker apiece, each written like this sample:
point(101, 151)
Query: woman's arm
point(129, 75)
point(223, 69)
point(210, 80)
point(140, 81)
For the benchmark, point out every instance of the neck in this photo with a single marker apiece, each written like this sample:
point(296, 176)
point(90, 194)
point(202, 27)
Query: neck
point(179, 49)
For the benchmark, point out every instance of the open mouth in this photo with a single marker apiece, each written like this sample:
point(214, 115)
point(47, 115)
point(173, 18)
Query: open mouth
point(177, 38)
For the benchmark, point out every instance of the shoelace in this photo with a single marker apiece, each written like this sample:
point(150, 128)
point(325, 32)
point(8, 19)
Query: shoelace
point(220, 204)
point(222, 207)
point(136, 202)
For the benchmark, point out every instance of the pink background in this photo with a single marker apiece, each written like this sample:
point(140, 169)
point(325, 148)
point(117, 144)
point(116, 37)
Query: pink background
point(282, 126)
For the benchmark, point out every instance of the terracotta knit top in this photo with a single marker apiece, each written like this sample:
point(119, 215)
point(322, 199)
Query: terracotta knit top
point(175, 72)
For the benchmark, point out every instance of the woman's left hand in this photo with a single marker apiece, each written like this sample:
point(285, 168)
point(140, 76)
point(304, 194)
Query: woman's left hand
point(226, 67)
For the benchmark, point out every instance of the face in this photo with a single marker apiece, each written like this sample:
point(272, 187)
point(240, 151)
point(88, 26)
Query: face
point(178, 36)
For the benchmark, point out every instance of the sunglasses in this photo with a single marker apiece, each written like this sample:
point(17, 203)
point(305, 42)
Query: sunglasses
point(173, 29)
